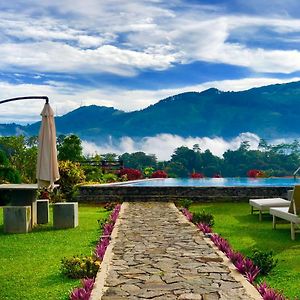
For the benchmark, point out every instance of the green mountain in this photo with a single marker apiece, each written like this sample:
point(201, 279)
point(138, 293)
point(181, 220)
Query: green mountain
point(270, 112)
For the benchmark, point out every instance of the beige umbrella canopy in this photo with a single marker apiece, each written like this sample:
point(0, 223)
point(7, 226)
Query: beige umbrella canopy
point(47, 166)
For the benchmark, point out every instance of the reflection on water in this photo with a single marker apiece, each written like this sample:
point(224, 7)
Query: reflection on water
point(218, 182)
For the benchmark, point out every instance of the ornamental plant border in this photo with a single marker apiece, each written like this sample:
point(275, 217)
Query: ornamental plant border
point(244, 265)
point(84, 291)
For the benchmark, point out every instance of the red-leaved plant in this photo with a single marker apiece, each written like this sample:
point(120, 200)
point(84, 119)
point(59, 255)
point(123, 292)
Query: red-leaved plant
point(131, 174)
point(254, 173)
point(159, 174)
point(187, 214)
point(205, 228)
point(84, 292)
point(196, 175)
point(268, 293)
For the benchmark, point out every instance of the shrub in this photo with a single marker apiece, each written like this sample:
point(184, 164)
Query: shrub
point(148, 171)
point(217, 175)
point(110, 205)
point(9, 174)
point(196, 175)
point(92, 173)
point(43, 194)
point(159, 174)
point(71, 174)
point(264, 260)
point(80, 266)
point(132, 174)
point(186, 203)
point(109, 177)
point(255, 173)
point(203, 217)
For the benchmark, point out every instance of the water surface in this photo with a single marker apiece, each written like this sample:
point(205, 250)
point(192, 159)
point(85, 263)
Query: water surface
point(222, 182)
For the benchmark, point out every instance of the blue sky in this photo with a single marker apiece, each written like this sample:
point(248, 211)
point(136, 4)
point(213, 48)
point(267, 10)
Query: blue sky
point(130, 54)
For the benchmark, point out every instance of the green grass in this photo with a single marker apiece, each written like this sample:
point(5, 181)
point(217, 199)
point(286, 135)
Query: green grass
point(244, 232)
point(30, 263)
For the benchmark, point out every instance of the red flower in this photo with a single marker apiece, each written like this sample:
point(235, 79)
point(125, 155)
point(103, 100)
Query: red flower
point(217, 176)
point(196, 175)
point(159, 174)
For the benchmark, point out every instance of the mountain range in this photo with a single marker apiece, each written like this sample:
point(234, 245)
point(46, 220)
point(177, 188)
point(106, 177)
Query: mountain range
point(270, 112)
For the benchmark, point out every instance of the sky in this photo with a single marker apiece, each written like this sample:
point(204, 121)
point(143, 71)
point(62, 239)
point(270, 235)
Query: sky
point(130, 54)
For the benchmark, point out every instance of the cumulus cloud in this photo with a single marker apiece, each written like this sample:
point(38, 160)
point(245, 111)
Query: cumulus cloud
point(163, 145)
point(123, 38)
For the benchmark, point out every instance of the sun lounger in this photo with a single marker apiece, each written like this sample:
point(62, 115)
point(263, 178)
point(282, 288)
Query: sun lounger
point(291, 213)
point(265, 204)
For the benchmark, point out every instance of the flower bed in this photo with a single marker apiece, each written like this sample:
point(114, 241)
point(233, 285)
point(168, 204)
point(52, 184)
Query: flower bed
point(243, 264)
point(87, 284)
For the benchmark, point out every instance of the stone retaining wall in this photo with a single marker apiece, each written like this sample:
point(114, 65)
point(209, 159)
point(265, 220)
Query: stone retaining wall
point(106, 193)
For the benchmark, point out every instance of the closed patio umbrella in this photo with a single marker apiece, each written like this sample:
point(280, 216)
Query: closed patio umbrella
point(47, 165)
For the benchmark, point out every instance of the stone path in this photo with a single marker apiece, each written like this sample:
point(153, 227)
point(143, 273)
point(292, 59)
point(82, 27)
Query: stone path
point(157, 254)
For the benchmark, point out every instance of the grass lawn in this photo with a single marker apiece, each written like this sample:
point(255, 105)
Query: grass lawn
point(30, 263)
point(244, 232)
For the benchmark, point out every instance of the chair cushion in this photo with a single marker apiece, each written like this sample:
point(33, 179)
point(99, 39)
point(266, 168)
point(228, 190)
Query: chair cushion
point(282, 212)
point(269, 202)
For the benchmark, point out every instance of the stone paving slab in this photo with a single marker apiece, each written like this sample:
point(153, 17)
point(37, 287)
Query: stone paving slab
point(156, 253)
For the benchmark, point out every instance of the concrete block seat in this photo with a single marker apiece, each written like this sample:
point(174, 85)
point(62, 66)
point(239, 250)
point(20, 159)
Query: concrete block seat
point(42, 211)
point(17, 219)
point(65, 215)
point(265, 204)
point(290, 213)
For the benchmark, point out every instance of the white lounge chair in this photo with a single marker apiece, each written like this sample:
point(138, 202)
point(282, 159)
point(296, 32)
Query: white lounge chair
point(291, 213)
point(265, 204)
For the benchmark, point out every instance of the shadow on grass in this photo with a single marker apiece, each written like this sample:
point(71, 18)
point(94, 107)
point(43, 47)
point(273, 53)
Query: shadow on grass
point(263, 235)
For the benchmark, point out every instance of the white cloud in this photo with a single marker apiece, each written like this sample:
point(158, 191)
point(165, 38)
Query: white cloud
point(163, 145)
point(124, 37)
point(58, 57)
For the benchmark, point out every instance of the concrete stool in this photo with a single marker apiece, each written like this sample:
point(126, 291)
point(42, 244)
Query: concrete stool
point(42, 211)
point(65, 215)
point(17, 219)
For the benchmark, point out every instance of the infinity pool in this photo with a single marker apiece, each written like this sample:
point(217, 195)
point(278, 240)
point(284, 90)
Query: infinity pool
point(222, 182)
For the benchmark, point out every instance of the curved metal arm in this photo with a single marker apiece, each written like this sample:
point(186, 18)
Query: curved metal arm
point(24, 98)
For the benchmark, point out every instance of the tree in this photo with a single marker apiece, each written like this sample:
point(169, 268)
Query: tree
point(22, 155)
point(7, 172)
point(3, 158)
point(211, 163)
point(139, 160)
point(70, 149)
point(189, 161)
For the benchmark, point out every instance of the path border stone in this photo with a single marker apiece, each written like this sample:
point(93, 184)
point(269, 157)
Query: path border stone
point(99, 288)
